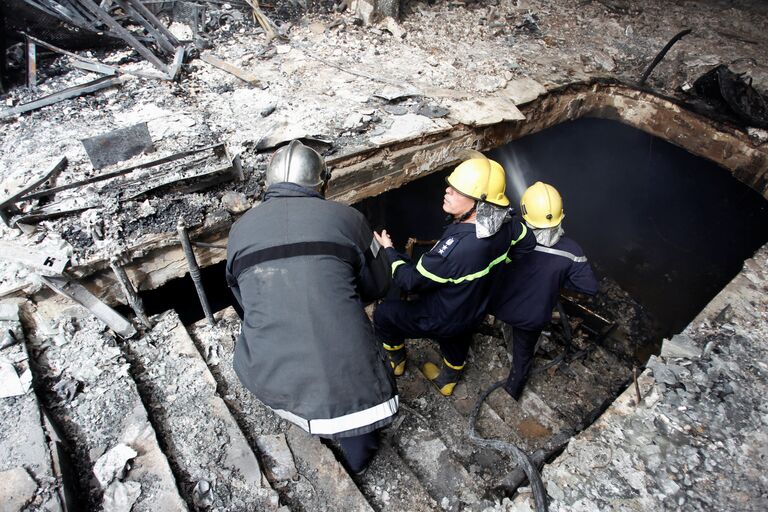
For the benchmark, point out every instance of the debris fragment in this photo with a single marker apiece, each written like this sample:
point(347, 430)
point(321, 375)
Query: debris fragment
point(118, 145)
point(732, 93)
point(276, 457)
point(51, 262)
point(120, 496)
point(11, 383)
point(17, 489)
point(679, 346)
point(66, 389)
point(202, 494)
point(112, 464)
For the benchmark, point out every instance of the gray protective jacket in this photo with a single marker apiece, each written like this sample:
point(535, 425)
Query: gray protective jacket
point(302, 269)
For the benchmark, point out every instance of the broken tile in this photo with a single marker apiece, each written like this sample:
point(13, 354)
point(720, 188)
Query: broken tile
point(112, 464)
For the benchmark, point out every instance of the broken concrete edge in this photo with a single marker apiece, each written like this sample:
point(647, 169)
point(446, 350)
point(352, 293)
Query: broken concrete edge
point(369, 171)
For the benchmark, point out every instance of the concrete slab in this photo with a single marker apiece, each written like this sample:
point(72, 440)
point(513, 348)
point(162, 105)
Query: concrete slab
point(102, 410)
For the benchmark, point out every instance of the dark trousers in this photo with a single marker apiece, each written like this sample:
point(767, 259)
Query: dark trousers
point(396, 320)
point(523, 346)
point(359, 450)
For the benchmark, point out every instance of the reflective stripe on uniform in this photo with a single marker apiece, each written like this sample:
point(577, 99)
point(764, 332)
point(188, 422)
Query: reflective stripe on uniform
point(514, 242)
point(471, 277)
point(350, 421)
point(558, 252)
point(396, 264)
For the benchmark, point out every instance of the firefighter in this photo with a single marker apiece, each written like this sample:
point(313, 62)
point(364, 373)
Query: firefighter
point(525, 296)
point(453, 278)
point(302, 269)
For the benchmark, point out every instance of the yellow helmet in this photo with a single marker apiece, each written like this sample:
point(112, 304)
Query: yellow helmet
point(481, 179)
point(542, 206)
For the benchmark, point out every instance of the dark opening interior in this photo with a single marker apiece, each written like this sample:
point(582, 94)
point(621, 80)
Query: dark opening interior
point(670, 228)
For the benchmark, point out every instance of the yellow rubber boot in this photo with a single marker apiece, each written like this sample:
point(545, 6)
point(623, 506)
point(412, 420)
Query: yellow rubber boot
point(444, 378)
point(396, 358)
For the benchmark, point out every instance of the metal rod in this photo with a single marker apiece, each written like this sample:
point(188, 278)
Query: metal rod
point(129, 292)
point(31, 64)
point(194, 269)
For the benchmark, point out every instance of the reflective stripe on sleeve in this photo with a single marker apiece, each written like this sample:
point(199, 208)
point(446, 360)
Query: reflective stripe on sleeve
point(343, 423)
point(558, 252)
point(514, 242)
point(522, 235)
point(396, 264)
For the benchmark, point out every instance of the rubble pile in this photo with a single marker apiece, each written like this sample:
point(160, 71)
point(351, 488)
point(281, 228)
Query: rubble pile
point(84, 383)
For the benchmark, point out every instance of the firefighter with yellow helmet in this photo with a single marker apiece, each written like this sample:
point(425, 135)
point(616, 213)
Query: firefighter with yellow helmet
point(525, 296)
point(453, 279)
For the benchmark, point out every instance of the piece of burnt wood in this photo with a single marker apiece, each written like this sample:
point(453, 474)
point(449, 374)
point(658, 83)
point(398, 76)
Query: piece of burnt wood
point(129, 292)
point(119, 172)
point(181, 176)
point(72, 92)
point(160, 38)
point(229, 68)
point(150, 17)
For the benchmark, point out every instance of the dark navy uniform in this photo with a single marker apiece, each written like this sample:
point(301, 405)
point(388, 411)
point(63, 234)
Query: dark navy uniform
point(453, 281)
point(526, 294)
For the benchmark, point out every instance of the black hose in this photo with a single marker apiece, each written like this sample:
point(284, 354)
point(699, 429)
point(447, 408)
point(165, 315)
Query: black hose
point(662, 53)
point(522, 460)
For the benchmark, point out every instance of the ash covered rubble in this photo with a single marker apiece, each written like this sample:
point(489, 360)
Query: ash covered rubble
point(324, 75)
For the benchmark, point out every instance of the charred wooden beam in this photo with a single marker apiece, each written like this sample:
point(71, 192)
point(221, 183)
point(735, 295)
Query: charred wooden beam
point(72, 92)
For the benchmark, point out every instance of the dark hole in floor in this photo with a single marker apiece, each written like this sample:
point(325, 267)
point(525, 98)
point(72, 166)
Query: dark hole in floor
point(670, 228)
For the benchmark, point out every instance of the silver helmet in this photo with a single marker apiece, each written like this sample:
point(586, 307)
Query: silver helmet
point(299, 164)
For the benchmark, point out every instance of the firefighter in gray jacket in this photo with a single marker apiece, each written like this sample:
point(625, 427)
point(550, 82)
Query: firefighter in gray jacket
point(302, 269)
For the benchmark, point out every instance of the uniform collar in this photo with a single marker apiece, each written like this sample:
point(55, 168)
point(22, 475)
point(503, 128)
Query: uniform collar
point(287, 189)
point(461, 227)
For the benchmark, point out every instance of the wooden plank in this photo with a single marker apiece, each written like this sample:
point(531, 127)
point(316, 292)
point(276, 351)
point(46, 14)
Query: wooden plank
point(229, 68)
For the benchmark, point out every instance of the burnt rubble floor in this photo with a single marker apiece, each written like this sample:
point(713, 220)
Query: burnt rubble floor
point(696, 441)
